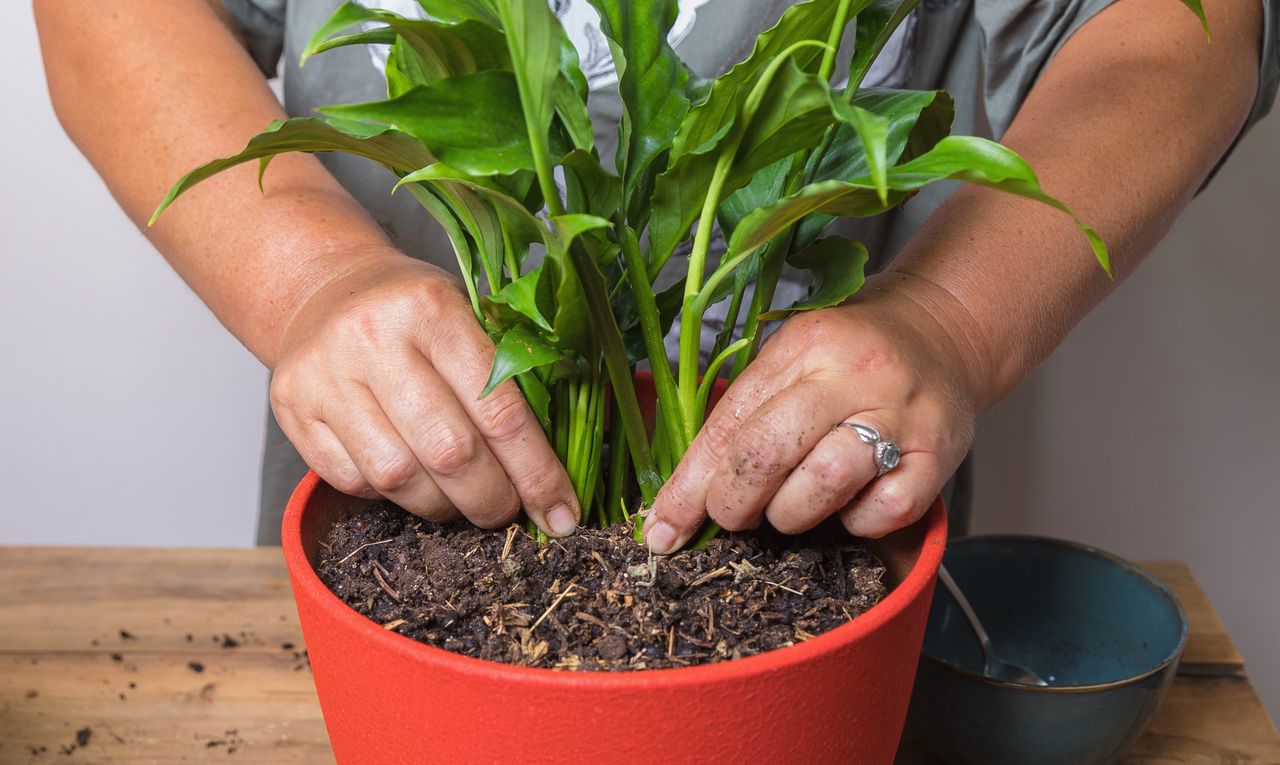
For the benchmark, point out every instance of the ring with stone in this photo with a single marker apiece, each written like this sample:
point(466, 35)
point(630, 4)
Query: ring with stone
point(886, 454)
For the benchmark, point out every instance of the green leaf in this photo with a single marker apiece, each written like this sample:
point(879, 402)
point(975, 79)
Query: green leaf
point(445, 49)
point(838, 267)
point(706, 124)
point(962, 158)
point(795, 111)
point(589, 187)
point(442, 173)
point(872, 30)
point(572, 323)
point(455, 11)
point(573, 116)
point(764, 188)
point(652, 83)
point(668, 303)
point(520, 349)
point(378, 36)
point(438, 210)
point(343, 17)
point(1197, 8)
point(535, 392)
point(572, 225)
point(494, 219)
point(872, 130)
point(917, 119)
point(529, 297)
point(312, 135)
point(533, 36)
point(470, 122)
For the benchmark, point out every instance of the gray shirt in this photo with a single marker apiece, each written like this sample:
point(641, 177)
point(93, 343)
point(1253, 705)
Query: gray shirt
point(986, 53)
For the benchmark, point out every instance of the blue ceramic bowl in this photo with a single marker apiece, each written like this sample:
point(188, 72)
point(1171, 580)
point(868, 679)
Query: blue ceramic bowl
point(1105, 633)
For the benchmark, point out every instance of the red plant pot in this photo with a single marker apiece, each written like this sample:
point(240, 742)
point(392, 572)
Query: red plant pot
point(838, 698)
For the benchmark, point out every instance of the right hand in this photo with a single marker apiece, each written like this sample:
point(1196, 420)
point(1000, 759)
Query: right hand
point(378, 385)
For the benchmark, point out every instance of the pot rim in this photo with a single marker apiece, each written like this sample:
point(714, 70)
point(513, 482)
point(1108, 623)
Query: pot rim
point(1173, 658)
point(915, 585)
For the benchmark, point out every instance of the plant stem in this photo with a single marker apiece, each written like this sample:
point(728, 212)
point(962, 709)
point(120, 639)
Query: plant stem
point(833, 41)
point(542, 167)
point(772, 260)
point(709, 379)
point(690, 316)
point(619, 460)
point(664, 382)
point(762, 298)
point(695, 295)
point(730, 319)
point(615, 357)
point(509, 255)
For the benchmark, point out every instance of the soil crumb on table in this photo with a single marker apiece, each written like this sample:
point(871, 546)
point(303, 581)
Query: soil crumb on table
point(597, 600)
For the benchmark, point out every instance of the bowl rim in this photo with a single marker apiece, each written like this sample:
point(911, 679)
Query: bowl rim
point(1173, 658)
point(918, 583)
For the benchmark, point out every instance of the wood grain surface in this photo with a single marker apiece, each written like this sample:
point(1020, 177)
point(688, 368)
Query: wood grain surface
point(195, 655)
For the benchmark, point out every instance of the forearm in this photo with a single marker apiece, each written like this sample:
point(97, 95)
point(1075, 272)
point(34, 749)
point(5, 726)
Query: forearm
point(149, 89)
point(1124, 126)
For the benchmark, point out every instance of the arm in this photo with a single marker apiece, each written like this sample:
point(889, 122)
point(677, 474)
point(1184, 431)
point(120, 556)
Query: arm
point(1124, 126)
point(301, 275)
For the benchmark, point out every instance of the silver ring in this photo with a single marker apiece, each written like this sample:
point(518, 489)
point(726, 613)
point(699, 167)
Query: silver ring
point(885, 453)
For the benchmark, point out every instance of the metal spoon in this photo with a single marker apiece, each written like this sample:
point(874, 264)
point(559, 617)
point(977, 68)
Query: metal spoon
point(993, 666)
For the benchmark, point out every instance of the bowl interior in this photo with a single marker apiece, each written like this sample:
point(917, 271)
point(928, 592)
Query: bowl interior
point(1073, 614)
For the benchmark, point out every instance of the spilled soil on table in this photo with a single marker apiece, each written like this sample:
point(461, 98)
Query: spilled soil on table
point(597, 600)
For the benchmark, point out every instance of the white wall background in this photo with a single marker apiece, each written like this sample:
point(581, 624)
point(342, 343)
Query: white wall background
point(129, 417)
point(127, 414)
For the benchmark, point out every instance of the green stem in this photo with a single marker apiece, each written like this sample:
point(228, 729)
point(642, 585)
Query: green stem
point(615, 357)
point(709, 379)
point(730, 318)
point(690, 317)
point(561, 425)
point(542, 166)
point(773, 258)
point(833, 41)
point(577, 433)
point(619, 460)
point(509, 255)
point(707, 533)
point(762, 298)
point(596, 454)
point(694, 292)
point(664, 382)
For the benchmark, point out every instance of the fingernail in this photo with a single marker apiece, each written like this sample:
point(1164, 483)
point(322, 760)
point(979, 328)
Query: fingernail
point(561, 521)
point(661, 538)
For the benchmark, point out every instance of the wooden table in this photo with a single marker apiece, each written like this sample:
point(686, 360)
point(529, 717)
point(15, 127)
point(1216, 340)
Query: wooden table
point(114, 655)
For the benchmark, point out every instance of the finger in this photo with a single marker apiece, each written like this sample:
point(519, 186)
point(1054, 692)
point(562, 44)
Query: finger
point(896, 499)
point(323, 453)
point(319, 447)
point(384, 459)
point(509, 428)
point(681, 505)
point(826, 480)
point(443, 439)
point(767, 448)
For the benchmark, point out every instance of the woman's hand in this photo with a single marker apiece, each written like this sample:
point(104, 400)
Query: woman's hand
point(378, 386)
point(772, 448)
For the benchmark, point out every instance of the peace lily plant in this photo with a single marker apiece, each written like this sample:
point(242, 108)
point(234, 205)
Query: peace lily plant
point(486, 125)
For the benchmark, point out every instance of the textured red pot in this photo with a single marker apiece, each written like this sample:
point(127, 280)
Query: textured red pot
point(838, 698)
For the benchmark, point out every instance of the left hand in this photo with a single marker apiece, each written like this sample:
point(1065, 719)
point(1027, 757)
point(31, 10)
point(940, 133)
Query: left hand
point(771, 448)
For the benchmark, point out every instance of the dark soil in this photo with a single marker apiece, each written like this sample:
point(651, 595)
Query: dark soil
point(597, 600)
